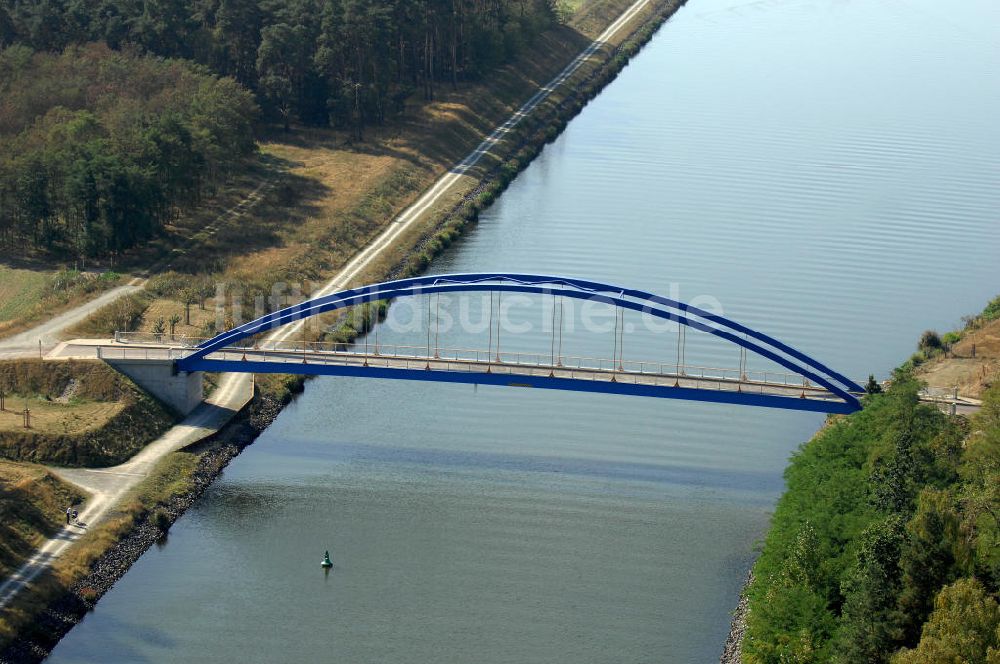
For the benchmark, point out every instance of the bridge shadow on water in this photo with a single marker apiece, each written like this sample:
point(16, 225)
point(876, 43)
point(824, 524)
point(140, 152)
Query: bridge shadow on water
point(621, 471)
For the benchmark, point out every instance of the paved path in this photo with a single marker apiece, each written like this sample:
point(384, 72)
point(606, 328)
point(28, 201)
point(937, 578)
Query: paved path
point(25, 344)
point(109, 486)
point(51, 332)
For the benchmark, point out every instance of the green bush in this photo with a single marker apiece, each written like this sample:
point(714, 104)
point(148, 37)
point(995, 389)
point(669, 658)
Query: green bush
point(161, 519)
point(929, 342)
point(992, 310)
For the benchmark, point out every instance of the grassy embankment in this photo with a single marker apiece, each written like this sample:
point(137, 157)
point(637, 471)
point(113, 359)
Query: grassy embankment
point(32, 503)
point(171, 478)
point(886, 545)
point(30, 294)
point(81, 414)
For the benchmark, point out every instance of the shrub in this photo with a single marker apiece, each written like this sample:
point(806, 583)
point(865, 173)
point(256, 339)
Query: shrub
point(951, 338)
point(992, 310)
point(161, 519)
point(930, 342)
point(167, 284)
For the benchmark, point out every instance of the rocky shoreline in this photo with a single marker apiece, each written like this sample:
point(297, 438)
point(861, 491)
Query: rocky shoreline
point(69, 609)
point(732, 652)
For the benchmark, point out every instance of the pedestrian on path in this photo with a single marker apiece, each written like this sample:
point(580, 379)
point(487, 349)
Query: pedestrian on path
point(69, 512)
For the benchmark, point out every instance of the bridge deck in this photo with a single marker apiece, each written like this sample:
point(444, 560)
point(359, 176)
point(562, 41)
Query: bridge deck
point(287, 359)
point(513, 369)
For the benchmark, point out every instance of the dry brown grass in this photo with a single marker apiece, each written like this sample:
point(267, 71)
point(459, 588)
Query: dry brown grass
point(57, 418)
point(164, 309)
point(972, 375)
point(28, 293)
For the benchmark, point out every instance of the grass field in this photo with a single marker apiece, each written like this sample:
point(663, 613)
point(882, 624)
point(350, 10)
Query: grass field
point(30, 294)
point(57, 418)
point(20, 291)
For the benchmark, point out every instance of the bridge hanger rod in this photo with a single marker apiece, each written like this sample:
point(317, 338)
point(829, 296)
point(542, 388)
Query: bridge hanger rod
point(614, 352)
point(428, 296)
point(378, 311)
point(499, 320)
point(553, 360)
point(437, 328)
point(621, 345)
point(489, 344)
point(561, 314)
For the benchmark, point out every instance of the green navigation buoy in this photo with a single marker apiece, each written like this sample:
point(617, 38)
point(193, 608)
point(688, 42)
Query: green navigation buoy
point(326, 560)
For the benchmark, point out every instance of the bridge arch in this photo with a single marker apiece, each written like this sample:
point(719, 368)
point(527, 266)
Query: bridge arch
point(624, 298)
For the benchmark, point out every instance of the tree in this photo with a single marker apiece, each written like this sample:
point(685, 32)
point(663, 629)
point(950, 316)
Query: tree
point(281, 62)
point(238, 24)
point(174, 319)
point(930, 557)
point(870, 628)
point(872, 386)
point(188, 296)
point(7, 30)
point(896, 477)
point(930, 342)
point(980, 492)
point(165, 26)
point(964, 627)
point(103, 160)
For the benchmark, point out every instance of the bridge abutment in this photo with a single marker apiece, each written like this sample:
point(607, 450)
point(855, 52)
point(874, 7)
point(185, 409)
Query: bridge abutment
point(181, 390)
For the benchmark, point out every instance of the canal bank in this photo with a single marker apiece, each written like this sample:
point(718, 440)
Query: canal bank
point(530, 133)
point(967, 359)
point(151, 526)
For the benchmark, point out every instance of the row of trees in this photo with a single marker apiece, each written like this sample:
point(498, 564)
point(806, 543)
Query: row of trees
point(886, 545)
point(102, 148)
point(349, 62)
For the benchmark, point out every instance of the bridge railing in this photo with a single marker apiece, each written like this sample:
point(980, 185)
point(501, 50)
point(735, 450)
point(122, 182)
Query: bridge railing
point(149, 338)
point(478, 358)
point(703, 378)
point(164, 346)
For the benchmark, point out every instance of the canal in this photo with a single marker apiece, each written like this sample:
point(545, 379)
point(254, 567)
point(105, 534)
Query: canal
point(826, 171)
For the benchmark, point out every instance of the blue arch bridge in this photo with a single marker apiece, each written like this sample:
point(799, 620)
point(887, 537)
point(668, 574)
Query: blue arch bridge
point(799, 382)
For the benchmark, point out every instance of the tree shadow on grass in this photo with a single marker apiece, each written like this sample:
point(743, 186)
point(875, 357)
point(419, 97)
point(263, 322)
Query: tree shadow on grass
point(283, 202)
